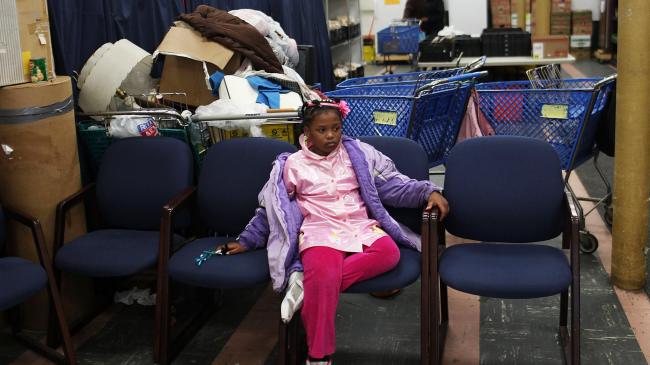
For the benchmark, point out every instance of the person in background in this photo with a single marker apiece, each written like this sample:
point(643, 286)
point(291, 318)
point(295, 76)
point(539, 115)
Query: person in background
point(322, 212)
point(430, 12)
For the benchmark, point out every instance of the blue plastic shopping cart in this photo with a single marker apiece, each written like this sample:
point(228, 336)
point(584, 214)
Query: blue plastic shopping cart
point(419, 77)
point(429, 114)
point(564, 113)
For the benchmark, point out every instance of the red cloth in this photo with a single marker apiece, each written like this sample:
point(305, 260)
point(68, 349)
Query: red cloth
point(328, 272)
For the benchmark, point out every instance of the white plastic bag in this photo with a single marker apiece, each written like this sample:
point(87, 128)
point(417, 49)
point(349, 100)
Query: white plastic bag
point(132, 126)
point(223, 108)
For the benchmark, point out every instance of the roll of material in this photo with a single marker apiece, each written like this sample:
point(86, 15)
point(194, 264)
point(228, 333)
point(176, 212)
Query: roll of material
point(39, 167)
point(113, 65)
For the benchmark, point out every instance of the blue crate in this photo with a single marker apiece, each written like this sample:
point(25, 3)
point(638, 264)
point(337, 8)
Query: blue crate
point(398, 39)
point(515, 108)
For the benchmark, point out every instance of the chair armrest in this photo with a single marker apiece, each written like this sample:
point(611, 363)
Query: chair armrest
point(61, 210)
point(167, 221)
point(37, 233)
point(572, 225)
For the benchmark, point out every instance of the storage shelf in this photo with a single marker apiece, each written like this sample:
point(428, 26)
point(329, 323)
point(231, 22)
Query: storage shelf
point(346, 42)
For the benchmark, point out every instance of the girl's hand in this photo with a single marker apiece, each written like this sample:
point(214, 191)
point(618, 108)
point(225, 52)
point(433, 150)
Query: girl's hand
point(232, 248)
point(437, 200)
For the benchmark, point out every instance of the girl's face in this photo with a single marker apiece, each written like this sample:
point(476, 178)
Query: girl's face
point(324, 131)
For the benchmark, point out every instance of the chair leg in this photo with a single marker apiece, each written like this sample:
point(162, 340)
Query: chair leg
point(63, 329)
point(435, 350)
point(575, 324)
point(161, 345)
point(282, 343)
point(292, 339)
point(53, 335)
point(564, 303)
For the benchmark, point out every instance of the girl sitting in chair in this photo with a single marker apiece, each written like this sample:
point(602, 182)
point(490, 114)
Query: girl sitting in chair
point(322, 214)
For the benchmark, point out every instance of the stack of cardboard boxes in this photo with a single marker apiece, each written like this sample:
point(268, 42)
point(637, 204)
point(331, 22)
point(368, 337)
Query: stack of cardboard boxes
point(581, 34)
point(500, 10)
point(25, 43)
point(552, 41)
point(561, 17)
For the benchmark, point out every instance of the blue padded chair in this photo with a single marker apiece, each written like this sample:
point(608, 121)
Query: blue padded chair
point(411, 160)
point(136, 178)
point(233, 173)
point(20, 279)
point(506, 192)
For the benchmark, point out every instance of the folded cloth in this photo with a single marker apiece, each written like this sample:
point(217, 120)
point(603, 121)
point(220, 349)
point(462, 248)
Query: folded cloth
point(235, 34)
point(268, 91)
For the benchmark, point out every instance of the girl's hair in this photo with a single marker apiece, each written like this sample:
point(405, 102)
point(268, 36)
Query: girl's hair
point(313, 108)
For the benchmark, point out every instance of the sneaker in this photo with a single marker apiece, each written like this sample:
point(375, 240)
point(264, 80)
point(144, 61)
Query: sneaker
point(292, 301)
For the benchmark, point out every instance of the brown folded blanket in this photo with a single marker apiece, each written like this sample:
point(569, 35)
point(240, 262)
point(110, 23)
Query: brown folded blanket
point(232, 32)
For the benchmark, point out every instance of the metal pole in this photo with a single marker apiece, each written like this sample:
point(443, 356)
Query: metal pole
point(632, 174)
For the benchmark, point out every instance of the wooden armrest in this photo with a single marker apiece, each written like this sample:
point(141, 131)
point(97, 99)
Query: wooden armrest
point(37, 233)
point(570, 237)
point(61, 210)
point(169, 210)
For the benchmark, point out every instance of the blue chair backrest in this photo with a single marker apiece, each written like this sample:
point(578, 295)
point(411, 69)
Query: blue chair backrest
point(2, 231)
point(411, 160)
point(138, 176)
point(233, 173)
point(504, 189)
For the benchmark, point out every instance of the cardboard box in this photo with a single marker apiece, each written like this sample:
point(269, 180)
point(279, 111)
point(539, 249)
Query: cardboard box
point(24, 35)
point(582, 22)
point(190, 59)
point(561, 6)
point(580, 41)
point(560, 23)
point(500, 10)
point(555, 46)
point(581, 54)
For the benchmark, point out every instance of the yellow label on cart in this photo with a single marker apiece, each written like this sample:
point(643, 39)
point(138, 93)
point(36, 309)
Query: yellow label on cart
point(555, 111)
point(391, 2)
point(386, 118)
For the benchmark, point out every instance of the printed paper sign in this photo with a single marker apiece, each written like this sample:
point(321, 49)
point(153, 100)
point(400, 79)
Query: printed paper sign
point(555, 111)
point(386, 118)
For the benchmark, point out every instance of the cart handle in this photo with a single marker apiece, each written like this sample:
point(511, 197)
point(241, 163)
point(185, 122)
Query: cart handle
point(461, 77)
point(475, 65)
point(170, 113)
point(605, 81)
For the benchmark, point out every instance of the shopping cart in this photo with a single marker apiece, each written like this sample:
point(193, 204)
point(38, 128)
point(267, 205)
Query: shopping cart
point(412, 77)
point(430, 114)
point(195, 130)
point(402, 37)
point(562, 112)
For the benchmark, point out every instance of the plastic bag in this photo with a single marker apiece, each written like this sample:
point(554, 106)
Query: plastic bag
point(132, 126)
point(226, 107)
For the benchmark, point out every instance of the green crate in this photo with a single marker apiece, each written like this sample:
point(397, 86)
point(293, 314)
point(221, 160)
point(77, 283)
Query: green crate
point(95, 141)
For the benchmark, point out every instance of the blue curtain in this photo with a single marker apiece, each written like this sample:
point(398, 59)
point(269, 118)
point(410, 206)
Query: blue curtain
point(79, 27)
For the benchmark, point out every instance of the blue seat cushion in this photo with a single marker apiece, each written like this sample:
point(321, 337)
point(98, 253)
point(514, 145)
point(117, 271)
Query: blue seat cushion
point(228, 271)
point(110, 253)
point(19, 280)
point(405, 273)
point(509, 271)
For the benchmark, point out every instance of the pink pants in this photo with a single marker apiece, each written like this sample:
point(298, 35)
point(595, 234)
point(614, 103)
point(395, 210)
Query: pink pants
point(329, 272)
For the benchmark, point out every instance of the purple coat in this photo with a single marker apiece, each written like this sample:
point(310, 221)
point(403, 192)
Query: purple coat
point(276, 224)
